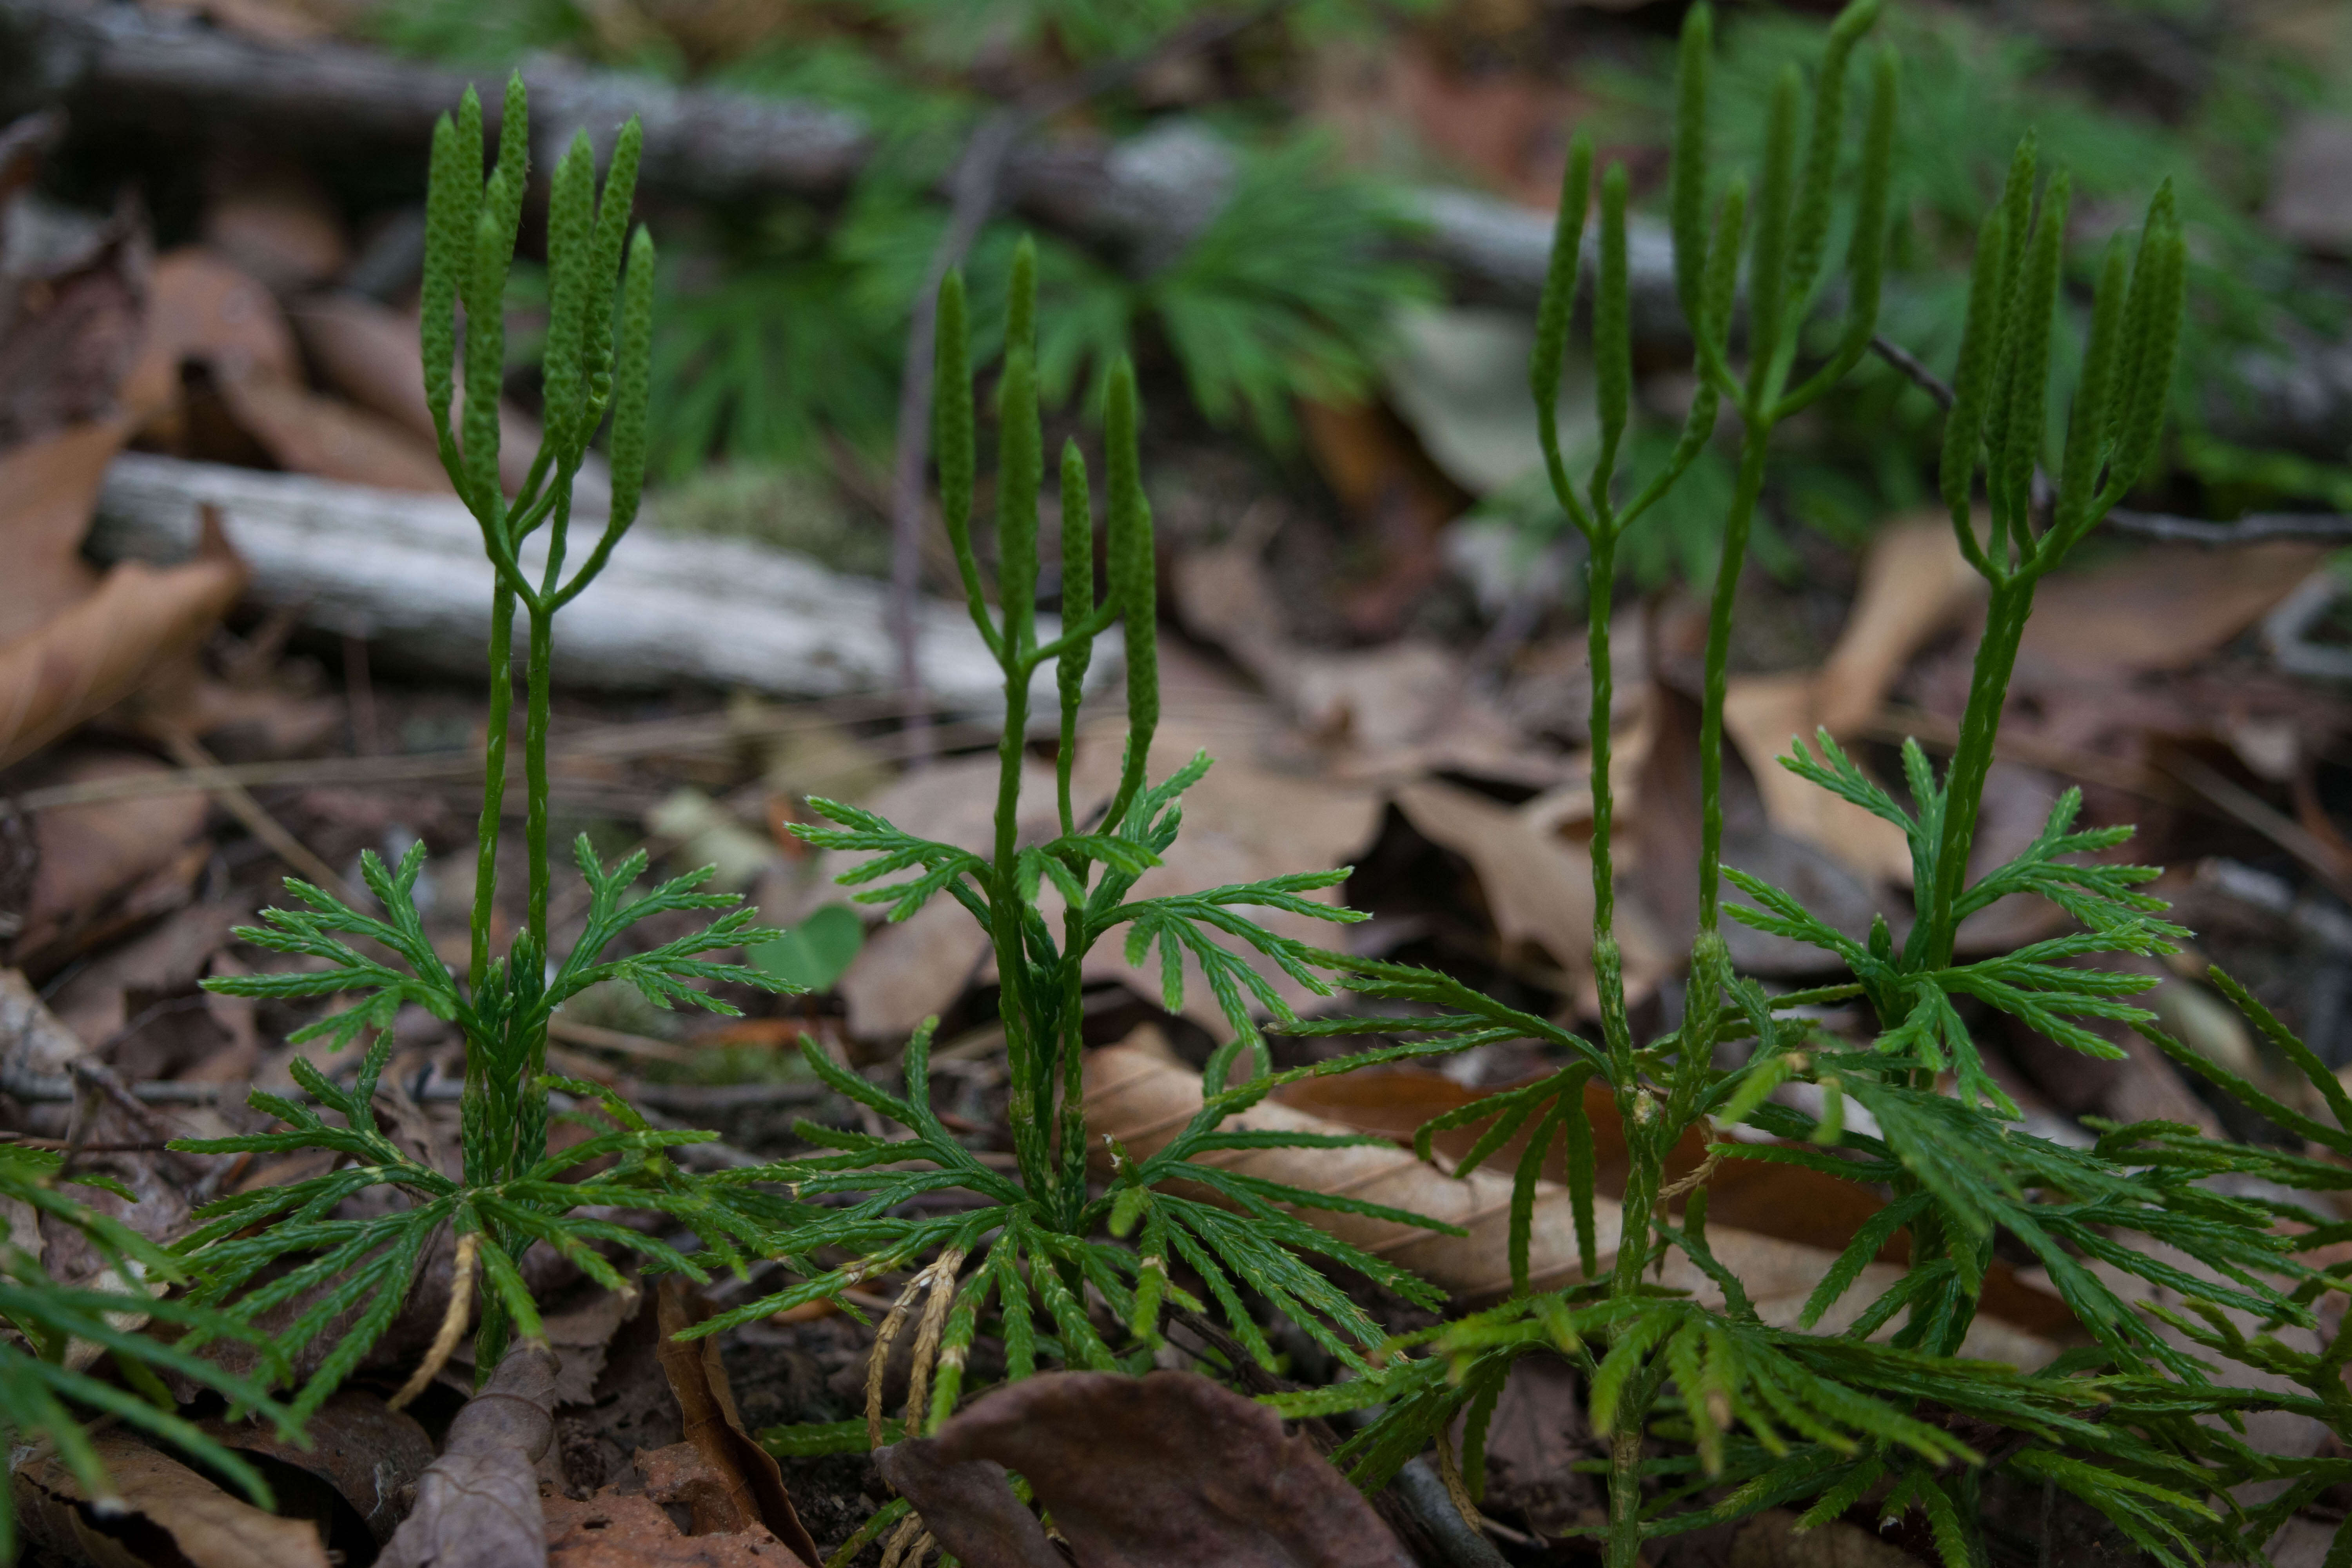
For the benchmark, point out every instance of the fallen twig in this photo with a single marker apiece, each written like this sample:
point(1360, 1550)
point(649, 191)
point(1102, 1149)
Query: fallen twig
point(281, 842)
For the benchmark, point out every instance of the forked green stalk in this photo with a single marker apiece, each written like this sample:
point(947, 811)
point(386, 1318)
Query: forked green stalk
point(1791, 225)
point(1034, 1242)
point(1997, 422)
point(352, 1276)
point(1785, 1417)
point(1790, 231)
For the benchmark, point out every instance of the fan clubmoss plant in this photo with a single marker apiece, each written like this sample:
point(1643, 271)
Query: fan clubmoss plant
point(283, 1250)
point(47, 1371)
point(2312, 1158)
point(1762, 1415)
point(1038, 1236)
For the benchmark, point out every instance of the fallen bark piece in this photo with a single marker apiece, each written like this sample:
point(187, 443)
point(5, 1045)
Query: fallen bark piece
point(408, 570)
point(168, 1516)
point(1169, 1470)
point(1147, 194)
point(477, 1505)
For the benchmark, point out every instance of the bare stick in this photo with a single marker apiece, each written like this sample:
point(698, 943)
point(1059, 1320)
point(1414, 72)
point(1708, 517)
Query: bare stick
point(188, 754)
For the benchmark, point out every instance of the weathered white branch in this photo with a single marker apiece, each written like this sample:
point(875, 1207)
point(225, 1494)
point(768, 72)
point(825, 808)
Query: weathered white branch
point(408, 572)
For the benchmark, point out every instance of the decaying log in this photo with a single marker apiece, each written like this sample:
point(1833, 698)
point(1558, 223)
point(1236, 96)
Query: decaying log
point(408, 572)
point(1142, 197)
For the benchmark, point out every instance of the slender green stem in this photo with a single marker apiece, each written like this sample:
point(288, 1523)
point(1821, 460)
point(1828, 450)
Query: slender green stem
point(1626, 1432)
point(1071, 1040)
point(1626, 1487)
point(494, 779)
point(2005, 618)
point(1601, 571)
point(534, 763)
point(1755, 443)
point(1025, 1043)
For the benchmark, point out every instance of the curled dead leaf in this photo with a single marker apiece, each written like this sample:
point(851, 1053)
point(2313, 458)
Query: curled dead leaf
point(370, 353)
point(305, 432)
point(751, 1489)
point(2164, 607)
point(477, 1505)
point(1538, 885)
point(48, 488)
point(95, 856)
point(1914, 585)
point(141, 621)
point(70, 331)
point(201, 308)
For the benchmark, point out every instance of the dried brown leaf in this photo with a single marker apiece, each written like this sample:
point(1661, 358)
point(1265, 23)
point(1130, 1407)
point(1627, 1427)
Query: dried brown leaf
point(909, 971)
point(171, 1516)
point(1142, 1100)
point(1914, 585)
point(969, 1506)
point(1169, 1470)
point(371, 1454)
point(48, 488)
point(68, 336)
point(308, 433)
point(2164, 607)
point(201, 308)
point(1538, 885)
point(272, 218)
point(1249, 817)
point(1537, 1435)
point(370, 353)
point(142, 622)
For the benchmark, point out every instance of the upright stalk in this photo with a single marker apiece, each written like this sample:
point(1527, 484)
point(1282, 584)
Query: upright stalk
point(2011, 606)
point(1609, 970)
point(1027, 1056)
point(1785, 246)
point(534, 761)
point(1755, 446)
point(589, 369)
point(494, 780)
